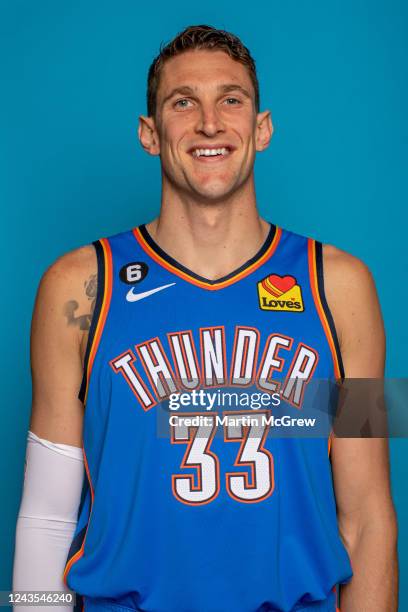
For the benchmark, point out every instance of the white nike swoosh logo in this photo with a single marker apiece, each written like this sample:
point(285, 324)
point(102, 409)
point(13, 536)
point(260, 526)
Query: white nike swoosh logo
point(134, 297)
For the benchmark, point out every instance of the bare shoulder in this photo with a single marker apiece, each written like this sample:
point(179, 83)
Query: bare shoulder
point(70, 284)
point(353, 301)
point(346, 269)
point(347, 279)
point(65, 303)
point(62, 314)
point(69, 269)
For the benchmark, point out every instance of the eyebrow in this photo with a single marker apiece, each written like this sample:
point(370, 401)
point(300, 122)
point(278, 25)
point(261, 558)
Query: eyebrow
point(185, 90)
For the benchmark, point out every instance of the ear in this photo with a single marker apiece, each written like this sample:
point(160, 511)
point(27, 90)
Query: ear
point(148, 135)
point(264, 130)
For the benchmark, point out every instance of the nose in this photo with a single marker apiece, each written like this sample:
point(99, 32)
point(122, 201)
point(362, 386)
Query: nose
point(209, 121)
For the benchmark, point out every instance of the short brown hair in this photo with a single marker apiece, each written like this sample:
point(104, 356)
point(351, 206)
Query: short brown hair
point(199, 37)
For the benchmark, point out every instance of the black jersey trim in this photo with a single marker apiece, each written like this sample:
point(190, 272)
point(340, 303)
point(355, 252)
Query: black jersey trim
point(327, 311)
point(155, 247)
point(76, 543)
point(79, 605)
point(95, 315)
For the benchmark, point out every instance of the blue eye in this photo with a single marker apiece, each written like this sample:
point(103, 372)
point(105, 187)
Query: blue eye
point(182, 103)
point(232, 101)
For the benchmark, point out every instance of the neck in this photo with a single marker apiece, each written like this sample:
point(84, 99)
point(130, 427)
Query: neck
point(210, 238)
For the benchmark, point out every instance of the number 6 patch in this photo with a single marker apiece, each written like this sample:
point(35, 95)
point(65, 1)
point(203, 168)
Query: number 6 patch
point(133, 272)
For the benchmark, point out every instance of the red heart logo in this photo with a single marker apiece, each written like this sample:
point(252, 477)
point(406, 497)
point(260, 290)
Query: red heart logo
point(276, 285)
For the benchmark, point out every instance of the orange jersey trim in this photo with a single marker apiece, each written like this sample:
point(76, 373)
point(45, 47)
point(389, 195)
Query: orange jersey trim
point(212, 287)
point(80, 552)
point(323, 318)
point(329, 442)
point(319, 306)
point(107, 294)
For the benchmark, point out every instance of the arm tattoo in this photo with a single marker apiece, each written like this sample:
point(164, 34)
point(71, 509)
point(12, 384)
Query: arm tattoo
point(82, 321)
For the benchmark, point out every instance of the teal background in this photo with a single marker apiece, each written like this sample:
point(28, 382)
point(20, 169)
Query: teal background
point(334, 75)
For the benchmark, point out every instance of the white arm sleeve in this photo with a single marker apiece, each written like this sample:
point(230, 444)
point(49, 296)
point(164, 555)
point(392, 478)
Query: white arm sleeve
point(47, 517)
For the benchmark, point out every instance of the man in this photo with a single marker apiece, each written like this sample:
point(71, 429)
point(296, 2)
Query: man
point(209, 296)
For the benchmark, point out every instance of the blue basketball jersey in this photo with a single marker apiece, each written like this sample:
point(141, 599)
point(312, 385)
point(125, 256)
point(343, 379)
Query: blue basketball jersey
point(198, 496)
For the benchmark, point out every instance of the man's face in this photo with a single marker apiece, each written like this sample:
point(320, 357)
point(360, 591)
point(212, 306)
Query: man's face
point(206, 124)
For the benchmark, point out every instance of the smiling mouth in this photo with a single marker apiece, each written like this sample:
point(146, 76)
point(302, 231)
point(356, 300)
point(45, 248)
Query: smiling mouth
point(211, 154)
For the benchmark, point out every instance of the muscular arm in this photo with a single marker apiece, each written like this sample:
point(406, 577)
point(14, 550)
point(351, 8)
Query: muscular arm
point(61, 321)
point(366, 515)
point(54, 468)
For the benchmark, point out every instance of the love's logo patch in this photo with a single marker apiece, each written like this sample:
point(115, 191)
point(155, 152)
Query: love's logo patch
point(280, 293)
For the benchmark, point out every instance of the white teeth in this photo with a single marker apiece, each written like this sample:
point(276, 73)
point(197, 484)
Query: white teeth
point(209, 152)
